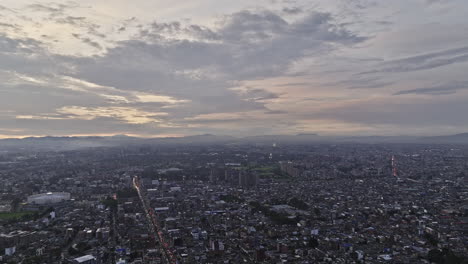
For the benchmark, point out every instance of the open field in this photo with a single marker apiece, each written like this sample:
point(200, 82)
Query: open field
point(14, 215)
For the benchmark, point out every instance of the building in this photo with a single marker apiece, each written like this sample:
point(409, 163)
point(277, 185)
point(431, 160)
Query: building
point(48, 198)
point(87, 259)
point(290, 168)
point(247, 179)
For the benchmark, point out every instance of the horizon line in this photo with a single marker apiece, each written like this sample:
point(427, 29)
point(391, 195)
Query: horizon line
point(3, 137)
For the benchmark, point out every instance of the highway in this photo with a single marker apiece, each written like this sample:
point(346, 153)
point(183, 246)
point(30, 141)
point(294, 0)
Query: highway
point(155, 228)
point(394, 167)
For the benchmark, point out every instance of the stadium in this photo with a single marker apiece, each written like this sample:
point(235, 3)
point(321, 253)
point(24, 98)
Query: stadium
point(48, 198)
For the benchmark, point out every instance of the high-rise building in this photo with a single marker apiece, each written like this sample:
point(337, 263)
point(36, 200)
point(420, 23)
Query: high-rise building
point(247, 179)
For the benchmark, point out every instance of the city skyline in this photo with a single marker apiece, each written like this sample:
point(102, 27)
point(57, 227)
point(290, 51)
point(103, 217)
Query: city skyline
point(172, 68)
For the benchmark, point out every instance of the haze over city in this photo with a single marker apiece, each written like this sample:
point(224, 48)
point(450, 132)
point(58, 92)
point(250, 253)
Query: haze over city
point(177, 68)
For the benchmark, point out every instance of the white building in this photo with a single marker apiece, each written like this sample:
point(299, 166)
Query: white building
point(48, 198)
point(10, 251)
point(88, 259)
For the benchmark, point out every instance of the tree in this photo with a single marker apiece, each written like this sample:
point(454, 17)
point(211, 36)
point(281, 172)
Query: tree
point(431, 239)
point(313, 242)
point(435, 256)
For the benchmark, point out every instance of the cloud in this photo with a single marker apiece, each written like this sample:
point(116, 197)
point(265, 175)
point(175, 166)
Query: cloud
point(424, 62)
point(203, 71)
point(26, 56)
point(276, 112)
point(445, 89)
point(88, 41)
point(12, 45)
point(75, 21)
point(248, 44)
point(361, 83)
point(293, 84)
point(404, 112)
point(7, 25)
point(292, 10)
point(52, 9)
point(252, 71)
point(430, 2)
point(125, 114)
point(247, 26)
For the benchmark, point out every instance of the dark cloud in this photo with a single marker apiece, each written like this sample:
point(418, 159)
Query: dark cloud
point(45, 8)
point(59, 13)
point(53, 9)
point(292, 10)
point(26, 99)
point(168, 28)
point(8, 25)
point(202, 32)
point(400, 113)
point(75, 21)
point(249, 45)
point(11, 45)
point(424, 62)
point(293, 84)
point(384, 23)
point(430, 2)
point(269, 47)
point(93, 30)
point(26, 56)
point(448, 88)
point(258, 95)
point(87, 41)
point(276, 112)
point(361, 83)
point(126, 24)
point(248, 26)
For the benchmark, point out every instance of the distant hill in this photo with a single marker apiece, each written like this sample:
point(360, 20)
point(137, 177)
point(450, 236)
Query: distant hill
point(282, 138)
point(451, 139)
point(70, 143)
point(196, 139)
point(60, 143)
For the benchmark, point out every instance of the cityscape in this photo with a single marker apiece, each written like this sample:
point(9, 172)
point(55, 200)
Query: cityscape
point(233, 132)
point(236, 203)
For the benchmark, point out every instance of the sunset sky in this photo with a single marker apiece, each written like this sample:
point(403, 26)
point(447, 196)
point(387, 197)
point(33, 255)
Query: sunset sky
point(174, 68)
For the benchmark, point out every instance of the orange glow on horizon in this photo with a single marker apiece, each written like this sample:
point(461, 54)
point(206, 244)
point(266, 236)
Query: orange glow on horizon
point(95, 135)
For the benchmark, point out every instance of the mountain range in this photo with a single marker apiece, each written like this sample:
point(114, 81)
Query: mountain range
point(69, 143)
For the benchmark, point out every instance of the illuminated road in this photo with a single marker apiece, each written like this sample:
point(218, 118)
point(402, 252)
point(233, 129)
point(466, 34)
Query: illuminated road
point(154, 224)
point(394, 167)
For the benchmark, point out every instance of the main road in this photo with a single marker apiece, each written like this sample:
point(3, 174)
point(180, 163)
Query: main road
point(155, 228)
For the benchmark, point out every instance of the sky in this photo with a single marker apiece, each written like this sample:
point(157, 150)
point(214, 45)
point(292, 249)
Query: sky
point(173, 68)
